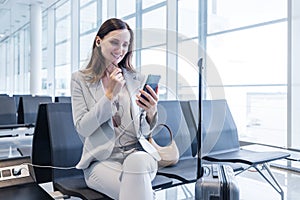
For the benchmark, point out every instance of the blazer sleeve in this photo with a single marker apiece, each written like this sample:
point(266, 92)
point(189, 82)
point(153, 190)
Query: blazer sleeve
point(87, 119)
point(147, 128)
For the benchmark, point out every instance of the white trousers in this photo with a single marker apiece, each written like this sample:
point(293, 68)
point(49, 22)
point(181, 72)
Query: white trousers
point(130, 181)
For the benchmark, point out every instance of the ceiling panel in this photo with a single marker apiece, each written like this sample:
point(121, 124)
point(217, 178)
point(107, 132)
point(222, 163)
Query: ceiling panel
point(16, 13)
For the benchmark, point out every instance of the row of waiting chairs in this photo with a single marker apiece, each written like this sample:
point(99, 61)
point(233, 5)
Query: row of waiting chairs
point(56, 143)
point(17, 122)
point(22, 109)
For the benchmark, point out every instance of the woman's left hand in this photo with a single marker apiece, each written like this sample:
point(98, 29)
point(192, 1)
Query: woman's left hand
point(149, 104)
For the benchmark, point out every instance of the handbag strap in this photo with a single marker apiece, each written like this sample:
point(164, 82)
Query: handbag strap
point(168, 128)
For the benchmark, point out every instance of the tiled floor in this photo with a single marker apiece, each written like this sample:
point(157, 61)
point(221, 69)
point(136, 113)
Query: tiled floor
point(252, 187)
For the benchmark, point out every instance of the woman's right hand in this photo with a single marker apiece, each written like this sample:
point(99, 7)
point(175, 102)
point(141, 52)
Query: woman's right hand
point(115, 81)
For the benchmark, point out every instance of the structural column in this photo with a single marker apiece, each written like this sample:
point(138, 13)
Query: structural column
point(35, 48)
point(172, 49)
point(51, 52)
point(75, 35)
point(293, 140)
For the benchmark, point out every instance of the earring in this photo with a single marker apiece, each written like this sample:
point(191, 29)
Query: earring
point(98, 43)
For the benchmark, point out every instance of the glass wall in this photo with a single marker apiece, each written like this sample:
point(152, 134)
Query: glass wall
point(3, 70)
point(153, 54)
point(45, 58)
point(26, 57)
point(125, 8)
point(17, 70)
point(88, 29)
point(249, 52)
point(63, 49)
point(246, 42)
point(188, 49)
point(16, 61)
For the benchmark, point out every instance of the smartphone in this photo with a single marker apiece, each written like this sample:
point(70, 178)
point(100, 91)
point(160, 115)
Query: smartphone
point(152, 81)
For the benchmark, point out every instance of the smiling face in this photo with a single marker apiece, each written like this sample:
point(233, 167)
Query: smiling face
point(114, 46)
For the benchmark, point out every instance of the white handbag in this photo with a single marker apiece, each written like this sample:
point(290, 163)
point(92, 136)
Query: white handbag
point(169, 154)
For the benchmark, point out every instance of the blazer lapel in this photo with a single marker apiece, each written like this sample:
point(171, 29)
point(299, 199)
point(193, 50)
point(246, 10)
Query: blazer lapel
point(96, 91)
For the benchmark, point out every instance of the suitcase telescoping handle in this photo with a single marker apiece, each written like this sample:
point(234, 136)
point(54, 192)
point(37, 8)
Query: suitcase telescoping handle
point(199, 130)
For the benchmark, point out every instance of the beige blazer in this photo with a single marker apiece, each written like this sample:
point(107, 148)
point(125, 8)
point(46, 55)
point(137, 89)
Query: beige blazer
point(92, 116)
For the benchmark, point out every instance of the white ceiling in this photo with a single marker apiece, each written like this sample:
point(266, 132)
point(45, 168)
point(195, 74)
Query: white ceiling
point(15, 13)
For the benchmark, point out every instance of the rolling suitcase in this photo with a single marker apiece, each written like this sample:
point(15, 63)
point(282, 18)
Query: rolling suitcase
point(214, 181)
point(217, 183)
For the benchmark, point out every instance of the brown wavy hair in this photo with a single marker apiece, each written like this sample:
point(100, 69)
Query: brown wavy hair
point(96, 67)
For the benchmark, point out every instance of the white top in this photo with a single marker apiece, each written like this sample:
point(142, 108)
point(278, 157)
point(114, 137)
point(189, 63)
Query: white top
point(124, 127)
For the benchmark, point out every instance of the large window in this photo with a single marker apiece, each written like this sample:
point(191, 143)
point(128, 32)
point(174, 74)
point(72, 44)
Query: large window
point(149, 3)
point(153, 57)
point(248, 46)
point(188, 49)
point(3, 71)
point(231, 14)
point(44, 54)
point(63, 49)
point(125, 8)
point(88, 29)
point(16, 53)
point(26, 56)
point(245, 44)
point(21, 53)
point(188, 12)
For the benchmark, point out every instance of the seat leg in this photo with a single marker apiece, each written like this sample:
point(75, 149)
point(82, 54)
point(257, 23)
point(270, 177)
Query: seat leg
point(276, 186)
point(239, 172)
point(188, 194)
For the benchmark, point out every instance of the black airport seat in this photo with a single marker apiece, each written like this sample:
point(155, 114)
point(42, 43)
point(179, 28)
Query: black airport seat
point(170, 113)
point(56, 143)
point(62, 99)
point(8, 111)
point(28, 108)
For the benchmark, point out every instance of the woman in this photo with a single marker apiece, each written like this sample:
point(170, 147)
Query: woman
point(112, 118)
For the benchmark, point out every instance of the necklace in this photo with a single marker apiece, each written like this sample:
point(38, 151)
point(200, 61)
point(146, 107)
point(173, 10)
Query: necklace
point(117, 116)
